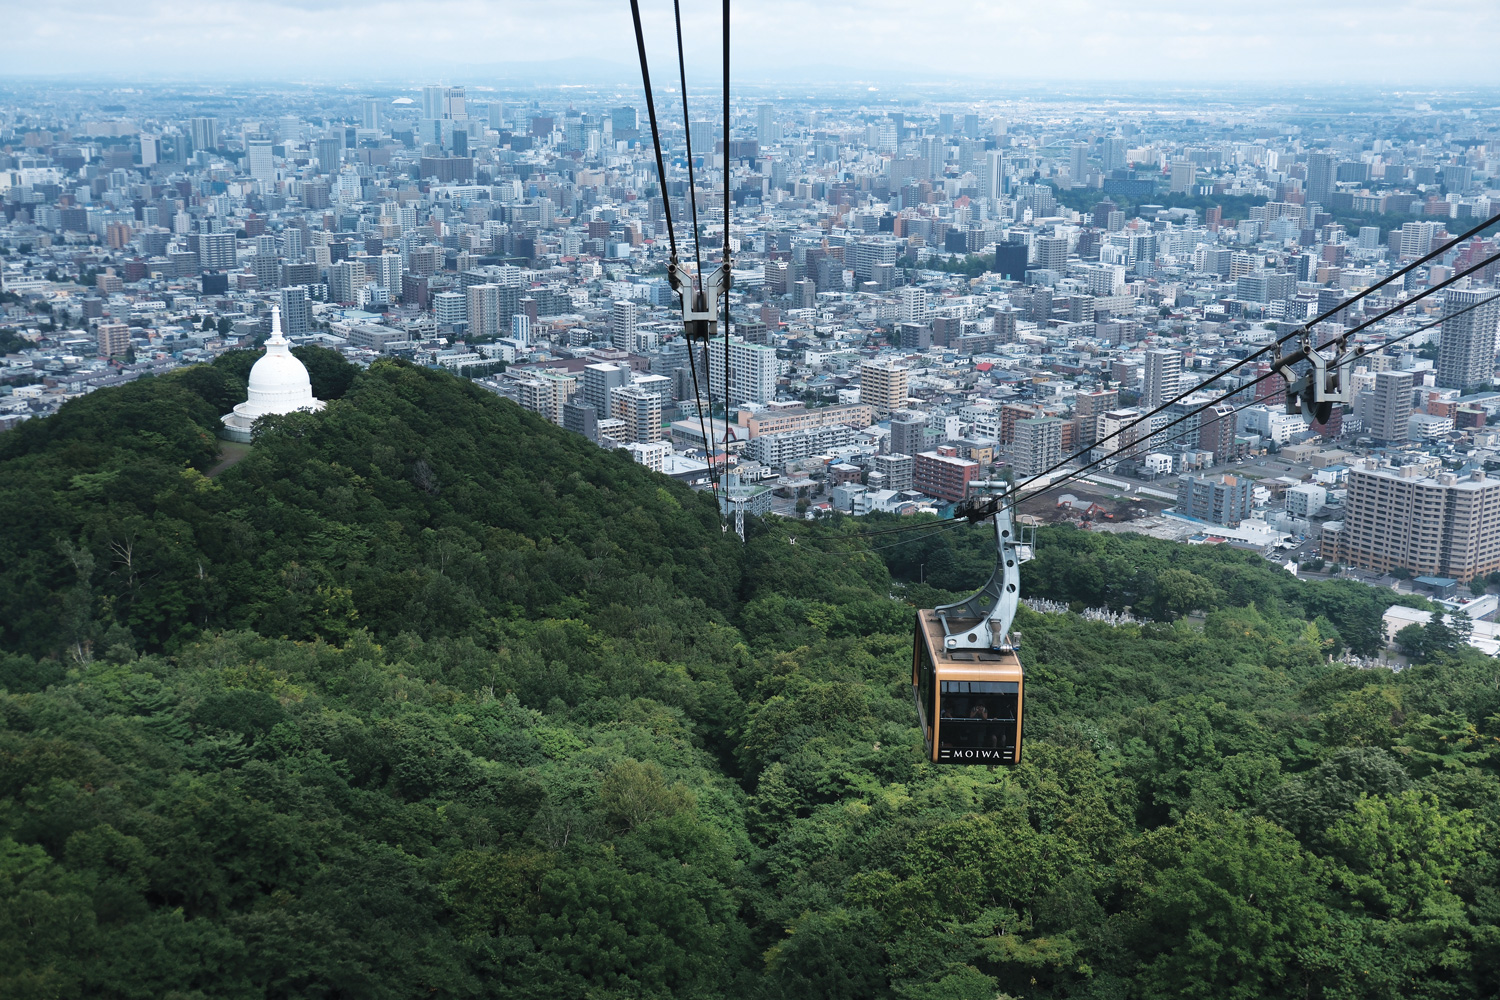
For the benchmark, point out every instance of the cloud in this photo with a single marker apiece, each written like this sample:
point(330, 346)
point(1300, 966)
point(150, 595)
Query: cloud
point(1186, 41)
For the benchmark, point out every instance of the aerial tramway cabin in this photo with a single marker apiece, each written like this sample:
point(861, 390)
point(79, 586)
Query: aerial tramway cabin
point(968, 700)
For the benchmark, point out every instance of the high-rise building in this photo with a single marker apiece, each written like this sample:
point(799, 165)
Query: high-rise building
point(1184, 176)
point(1466, 354)
point(1088, 408)
point(599, 380)
point(914, 305)
point(259, 162)
point(622, 325)
point(640, 409)
point(450, 309)
point(1037, 446)
point(205, 132)
point(369, 112)
point(216, 251)
point(1448, 526)
point(1051, 252)
point(1163, 376)
point(345, 279)
point(1113, 155)
point(896, 468)
point(296, 312)
point(114, 339)
point(484, 311)
point(432, 101)
point(1216, 431)
point(753, 370)
point(453, 104)
point(883, 385)
point(1320, 174)
point(1391, 409)
point(385, 270)
point(1078, 164)
point(329, 150)
point(943, 474)
point(1222, 500)
point(765, 124)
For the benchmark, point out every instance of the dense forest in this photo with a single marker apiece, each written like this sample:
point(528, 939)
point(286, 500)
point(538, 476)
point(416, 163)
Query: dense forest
point(426, 697)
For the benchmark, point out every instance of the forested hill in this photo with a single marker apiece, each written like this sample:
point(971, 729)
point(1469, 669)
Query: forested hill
point(425, 697)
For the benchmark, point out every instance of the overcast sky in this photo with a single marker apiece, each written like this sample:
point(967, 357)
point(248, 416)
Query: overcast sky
point(1199, 42)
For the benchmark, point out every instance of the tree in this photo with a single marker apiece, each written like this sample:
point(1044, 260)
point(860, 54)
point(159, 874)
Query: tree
point(1180, 592)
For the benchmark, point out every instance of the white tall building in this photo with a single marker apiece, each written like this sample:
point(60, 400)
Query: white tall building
point(1163, 377)
point(753, 369)
point(914, 308)
point(258, 160)
point(622, 325)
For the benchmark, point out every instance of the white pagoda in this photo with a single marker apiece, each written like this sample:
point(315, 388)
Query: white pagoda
point(278, 384)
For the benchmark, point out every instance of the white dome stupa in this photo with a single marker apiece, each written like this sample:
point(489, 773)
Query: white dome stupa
point(278, 384)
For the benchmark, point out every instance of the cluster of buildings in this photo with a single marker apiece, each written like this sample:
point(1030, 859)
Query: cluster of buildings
point(925, 296)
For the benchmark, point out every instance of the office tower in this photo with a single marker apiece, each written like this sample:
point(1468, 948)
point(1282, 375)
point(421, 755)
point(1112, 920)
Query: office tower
point(1392, 406)
point(216, 251)
point(1396, 518)
point(622, 325)
point(914, 305)
point(296, 312)
point(205, 132)
point(1113, 153)
point(624, 119)
point(1466, 355)
point(992, 184)
point(369, 112)
point(1037, 446)
point(1163, 377)
point(1184, 176)
point(883, 385)
point(971, 126)
point(641, 411)
point(765, 128)
point(453, 104)
point(1320, 173)
point(753, 370)
point(329, 151)
point(945, 123)
point(150, 150)
point(1078, 164)
point(432, 102)
point(599, 380)
point(1369, 237)
point(259, 162)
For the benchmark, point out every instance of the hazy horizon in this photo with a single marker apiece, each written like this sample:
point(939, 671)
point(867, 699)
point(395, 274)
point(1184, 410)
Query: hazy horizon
point(776, 43)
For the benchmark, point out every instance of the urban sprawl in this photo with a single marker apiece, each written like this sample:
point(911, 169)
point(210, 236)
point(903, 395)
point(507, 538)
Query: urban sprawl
point(928, 294)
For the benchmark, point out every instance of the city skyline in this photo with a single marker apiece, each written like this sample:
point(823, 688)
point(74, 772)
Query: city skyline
point(588, 41)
